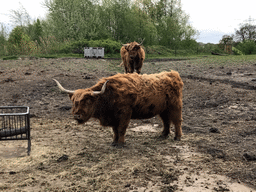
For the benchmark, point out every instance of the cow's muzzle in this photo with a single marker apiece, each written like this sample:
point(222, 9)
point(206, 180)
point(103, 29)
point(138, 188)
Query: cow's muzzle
point(77, 117)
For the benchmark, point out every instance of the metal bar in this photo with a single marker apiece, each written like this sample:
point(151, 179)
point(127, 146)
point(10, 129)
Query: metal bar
point(13, 107)
point(28, 133)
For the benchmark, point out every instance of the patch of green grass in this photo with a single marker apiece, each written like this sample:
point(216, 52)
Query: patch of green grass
point(116, 55)
point(61, 56)
point(10, 58)
point(230, 60)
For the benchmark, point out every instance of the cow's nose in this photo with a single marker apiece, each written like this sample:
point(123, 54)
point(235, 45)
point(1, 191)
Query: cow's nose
point(131, 56)
point(77, 117)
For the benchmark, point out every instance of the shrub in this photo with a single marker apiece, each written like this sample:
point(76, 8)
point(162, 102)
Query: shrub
point(248, 47)
point(20, 43)
point(110, 46)
point(236, 51)
point(75, 47)
point(50, 45)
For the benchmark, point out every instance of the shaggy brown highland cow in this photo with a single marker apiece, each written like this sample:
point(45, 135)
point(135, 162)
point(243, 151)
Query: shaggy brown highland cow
point(117, 99)
point(133, 56)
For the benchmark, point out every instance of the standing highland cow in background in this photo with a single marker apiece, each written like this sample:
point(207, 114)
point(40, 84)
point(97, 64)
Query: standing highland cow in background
point(117, 99)
point(133, 56)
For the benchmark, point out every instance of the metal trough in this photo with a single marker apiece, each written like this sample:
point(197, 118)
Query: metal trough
point(97, 52)
point(15, 124)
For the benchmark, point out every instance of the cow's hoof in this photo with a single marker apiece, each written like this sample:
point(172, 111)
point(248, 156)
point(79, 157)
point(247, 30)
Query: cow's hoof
point(118, 145)
point(114, 144)
point(177, 138)
point(164, 136)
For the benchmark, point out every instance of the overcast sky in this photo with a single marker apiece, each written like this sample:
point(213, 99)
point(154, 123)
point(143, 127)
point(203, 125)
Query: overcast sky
point(212, 19)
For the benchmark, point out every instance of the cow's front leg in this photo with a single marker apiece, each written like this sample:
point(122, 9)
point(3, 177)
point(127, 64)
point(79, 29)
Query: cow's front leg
point(138, 71)
point(120, 128)
point(119, 133)
point(126, 69)
point(115, 140)
point(139, 66)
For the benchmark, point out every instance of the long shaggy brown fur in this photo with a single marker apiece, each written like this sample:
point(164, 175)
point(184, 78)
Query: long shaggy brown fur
point(133, 56)
point(132, 96)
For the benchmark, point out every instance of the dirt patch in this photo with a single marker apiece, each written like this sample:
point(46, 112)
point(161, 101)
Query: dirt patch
point(216, 152)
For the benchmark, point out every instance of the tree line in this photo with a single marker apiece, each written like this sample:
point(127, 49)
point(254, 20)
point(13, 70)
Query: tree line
point(243, 40)
point(158, 22)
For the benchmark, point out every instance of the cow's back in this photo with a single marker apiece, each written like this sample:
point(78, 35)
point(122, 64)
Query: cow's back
point(158, 92)
point(147, 95)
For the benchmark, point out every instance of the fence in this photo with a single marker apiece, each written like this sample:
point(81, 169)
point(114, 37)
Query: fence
point(15, 124)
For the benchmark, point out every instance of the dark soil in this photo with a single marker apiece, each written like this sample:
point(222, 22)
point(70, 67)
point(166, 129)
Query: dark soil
point(219, 112)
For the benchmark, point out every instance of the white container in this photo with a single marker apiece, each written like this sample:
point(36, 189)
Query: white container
point(97, 52)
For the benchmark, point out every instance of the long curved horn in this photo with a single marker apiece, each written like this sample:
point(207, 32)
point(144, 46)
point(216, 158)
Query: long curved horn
point(102, 89)
point(62, 89)
point(126, 44)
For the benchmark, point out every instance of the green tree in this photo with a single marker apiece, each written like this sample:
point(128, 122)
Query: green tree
point(142, 26)
point(246, 32)
point(226, 39)
point(158, 22)
point(119, 19)
point(19, 42)
point(171, 22)
point(35, 31)
point(226, 43)
point(15, 36)
point(3, 32)
point(76, 19)
point(3, 38)
point(248, 47)
point(20, 17)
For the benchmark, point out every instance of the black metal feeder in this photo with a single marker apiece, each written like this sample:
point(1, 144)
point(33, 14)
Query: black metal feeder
point(15, 124)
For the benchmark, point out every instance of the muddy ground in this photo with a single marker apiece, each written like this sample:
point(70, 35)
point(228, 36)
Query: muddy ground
point(217, 151)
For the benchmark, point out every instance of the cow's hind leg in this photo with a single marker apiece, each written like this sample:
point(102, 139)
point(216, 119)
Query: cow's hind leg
point(176, 118)
point(165, 116)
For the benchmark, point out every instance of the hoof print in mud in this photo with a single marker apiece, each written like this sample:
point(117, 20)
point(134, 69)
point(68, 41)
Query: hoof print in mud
point(65, 108)
point(214, 130)
point(62, 158)
point(250, 157)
